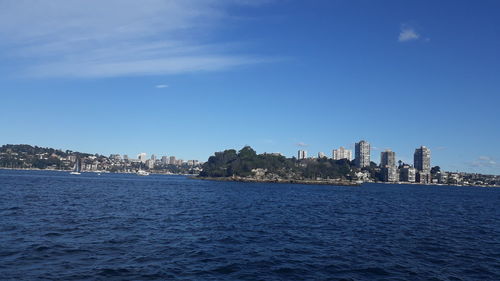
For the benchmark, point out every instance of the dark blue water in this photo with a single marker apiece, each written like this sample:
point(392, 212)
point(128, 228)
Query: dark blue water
point(123, 227)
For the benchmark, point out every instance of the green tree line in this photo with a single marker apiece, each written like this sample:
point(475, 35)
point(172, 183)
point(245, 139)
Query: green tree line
point(230, 163)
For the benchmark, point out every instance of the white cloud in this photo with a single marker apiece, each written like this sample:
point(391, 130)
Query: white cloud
point(301, 144)
point(92, 38)
point(484, 161)
point(162, 86)
point(484, 158)
point(408, 33)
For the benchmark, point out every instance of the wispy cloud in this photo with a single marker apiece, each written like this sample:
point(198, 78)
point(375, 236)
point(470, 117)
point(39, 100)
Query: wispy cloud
point(161, 86)
point(408, 33)
point(484, 162)
point(91, 38)
point(301, 144)
point(268, 141)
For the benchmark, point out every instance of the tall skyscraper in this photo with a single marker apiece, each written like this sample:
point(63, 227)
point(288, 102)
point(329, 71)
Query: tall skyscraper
point(422, 159)
point(388, 165)
point(362, 151)
point(342, 153)
point(387, 158)
point(302, 154)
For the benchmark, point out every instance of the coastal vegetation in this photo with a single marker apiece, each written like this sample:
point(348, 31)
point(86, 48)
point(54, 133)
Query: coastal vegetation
point(247, 163)
point(23, 156)
point(35, 157)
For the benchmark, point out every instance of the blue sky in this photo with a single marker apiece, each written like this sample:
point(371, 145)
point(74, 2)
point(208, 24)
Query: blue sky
point(188, 78)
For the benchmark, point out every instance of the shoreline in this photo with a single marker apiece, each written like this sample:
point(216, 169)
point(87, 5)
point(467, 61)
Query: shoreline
point(432, 184)
point(329, 182)
point(254, 180)
point(94, 172)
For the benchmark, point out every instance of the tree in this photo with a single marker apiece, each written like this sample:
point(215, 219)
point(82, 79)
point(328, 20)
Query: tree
point(229, 163)
point(435, 170)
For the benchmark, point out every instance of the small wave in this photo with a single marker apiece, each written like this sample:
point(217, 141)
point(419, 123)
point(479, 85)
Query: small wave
point(112, 272)
point(42, 248)
point(52, 234)
point(227, 269)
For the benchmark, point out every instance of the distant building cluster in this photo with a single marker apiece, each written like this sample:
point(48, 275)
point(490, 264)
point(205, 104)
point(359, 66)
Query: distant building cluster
point(389, 170)
point(361, 168)
point(29, 157)
point(153, 162)
point(127, 164)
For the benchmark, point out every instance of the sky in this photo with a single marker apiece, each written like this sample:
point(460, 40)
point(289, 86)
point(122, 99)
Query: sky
point(188, 78)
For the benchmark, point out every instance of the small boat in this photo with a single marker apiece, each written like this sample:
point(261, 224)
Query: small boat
point(142, 173)
point(77, 168)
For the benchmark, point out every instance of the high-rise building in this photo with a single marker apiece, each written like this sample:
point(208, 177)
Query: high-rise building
point(387, 158)
point(153, 157)
point(423, 177)
point(422, 159)
point(164, 160)
point(321, 155)
point(390, 173)
point(142, 157)
point(388, 165)
point(342, 153)
point(407, 173)
point(150, 163)
point(172, 160)
point(125, 157)
point(302, 154)
point(362, 151)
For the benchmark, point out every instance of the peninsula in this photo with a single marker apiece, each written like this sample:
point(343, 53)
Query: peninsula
point(248, 166)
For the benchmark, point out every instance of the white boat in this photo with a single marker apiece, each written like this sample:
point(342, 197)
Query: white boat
point(76, 168)
point(142, 173)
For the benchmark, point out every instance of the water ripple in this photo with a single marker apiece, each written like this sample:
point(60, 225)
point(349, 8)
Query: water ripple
point(122, 227)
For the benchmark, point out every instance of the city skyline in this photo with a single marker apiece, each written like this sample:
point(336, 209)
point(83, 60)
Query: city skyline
point(337, 154)
point(195, 77)
point(299, 154)
point(247, 165)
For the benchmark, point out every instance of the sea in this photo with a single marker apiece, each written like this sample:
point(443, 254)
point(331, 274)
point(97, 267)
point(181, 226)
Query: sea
point(57, 226)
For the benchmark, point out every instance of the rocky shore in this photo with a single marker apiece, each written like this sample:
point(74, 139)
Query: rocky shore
point(292, 181)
